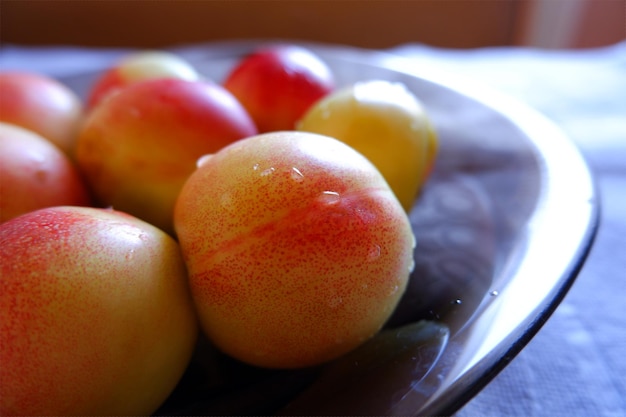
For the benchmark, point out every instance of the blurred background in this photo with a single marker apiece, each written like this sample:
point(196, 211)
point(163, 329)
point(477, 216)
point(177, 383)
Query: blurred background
point(368, 23)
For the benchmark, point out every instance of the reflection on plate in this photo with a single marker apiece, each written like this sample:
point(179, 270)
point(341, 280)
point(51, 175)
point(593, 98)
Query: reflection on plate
point(502, 228)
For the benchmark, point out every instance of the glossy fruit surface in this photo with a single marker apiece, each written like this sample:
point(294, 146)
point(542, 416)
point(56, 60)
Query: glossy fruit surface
point(34, 173)
point(138, 147)
point(95, 314)
point(41, 104)
point(297, 249)
point(278, 84)
point(386, 123)
point(140, 66)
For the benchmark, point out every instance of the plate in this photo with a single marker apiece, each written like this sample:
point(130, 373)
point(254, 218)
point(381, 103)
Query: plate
point(502, 226)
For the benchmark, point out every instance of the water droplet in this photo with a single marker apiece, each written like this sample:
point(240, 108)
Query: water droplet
point(412, 266)
point(296, 175)
point(457, 302)
point(130, 255)
point(394, 290)
point(255, 167)
point(267, 171)
point(330, 197)
point(494, 293)
point(374, 253)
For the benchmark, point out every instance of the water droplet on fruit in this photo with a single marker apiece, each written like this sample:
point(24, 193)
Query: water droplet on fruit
point(494, 293)
point(255, 167)
point(394, 290)
point(330, 197)
point(267, 171)
point(129, 256)
point(296, 175)
point(412, 266)
point(374, 253)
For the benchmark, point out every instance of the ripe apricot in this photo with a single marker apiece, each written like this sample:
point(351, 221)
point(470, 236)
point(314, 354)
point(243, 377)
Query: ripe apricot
point(95, 314)
point(387, 123)
point(297, 249)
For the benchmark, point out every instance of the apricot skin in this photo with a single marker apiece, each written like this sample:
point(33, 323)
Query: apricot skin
point(388, 124)
point(278, 84)
point(138, 146)
point(34, 174)
point(42, 104)
point(138, 67)
point(297, 249)
point(95, 314)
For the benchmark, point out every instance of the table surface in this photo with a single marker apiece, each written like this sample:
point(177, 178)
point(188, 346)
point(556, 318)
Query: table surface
point(575, 365)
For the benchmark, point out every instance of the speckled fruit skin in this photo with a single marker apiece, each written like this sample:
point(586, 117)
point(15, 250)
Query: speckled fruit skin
point(41, 104)
point(35, 174)
point(140, 66)
point(387, 123)
point(138, 147)
point(297, 249)
point(95, 314)
point(278, 84)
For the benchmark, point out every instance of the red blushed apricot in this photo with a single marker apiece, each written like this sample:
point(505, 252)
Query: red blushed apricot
point(42, 104)
point(95, 314)
point(297, 249)
point(278, 84)
point(35, 174)
point(138, 67)
point(138, 146)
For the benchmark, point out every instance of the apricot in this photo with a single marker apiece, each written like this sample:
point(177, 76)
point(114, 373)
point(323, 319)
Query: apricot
point(277, 84)
point(138, 147)
point(297, 249)
point(136, 67)
point(34, 173)
point(388, 124)
point(43, 105)
point(95, 314)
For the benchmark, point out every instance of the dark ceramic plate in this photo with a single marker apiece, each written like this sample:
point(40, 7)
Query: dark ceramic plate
point(502, 227)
